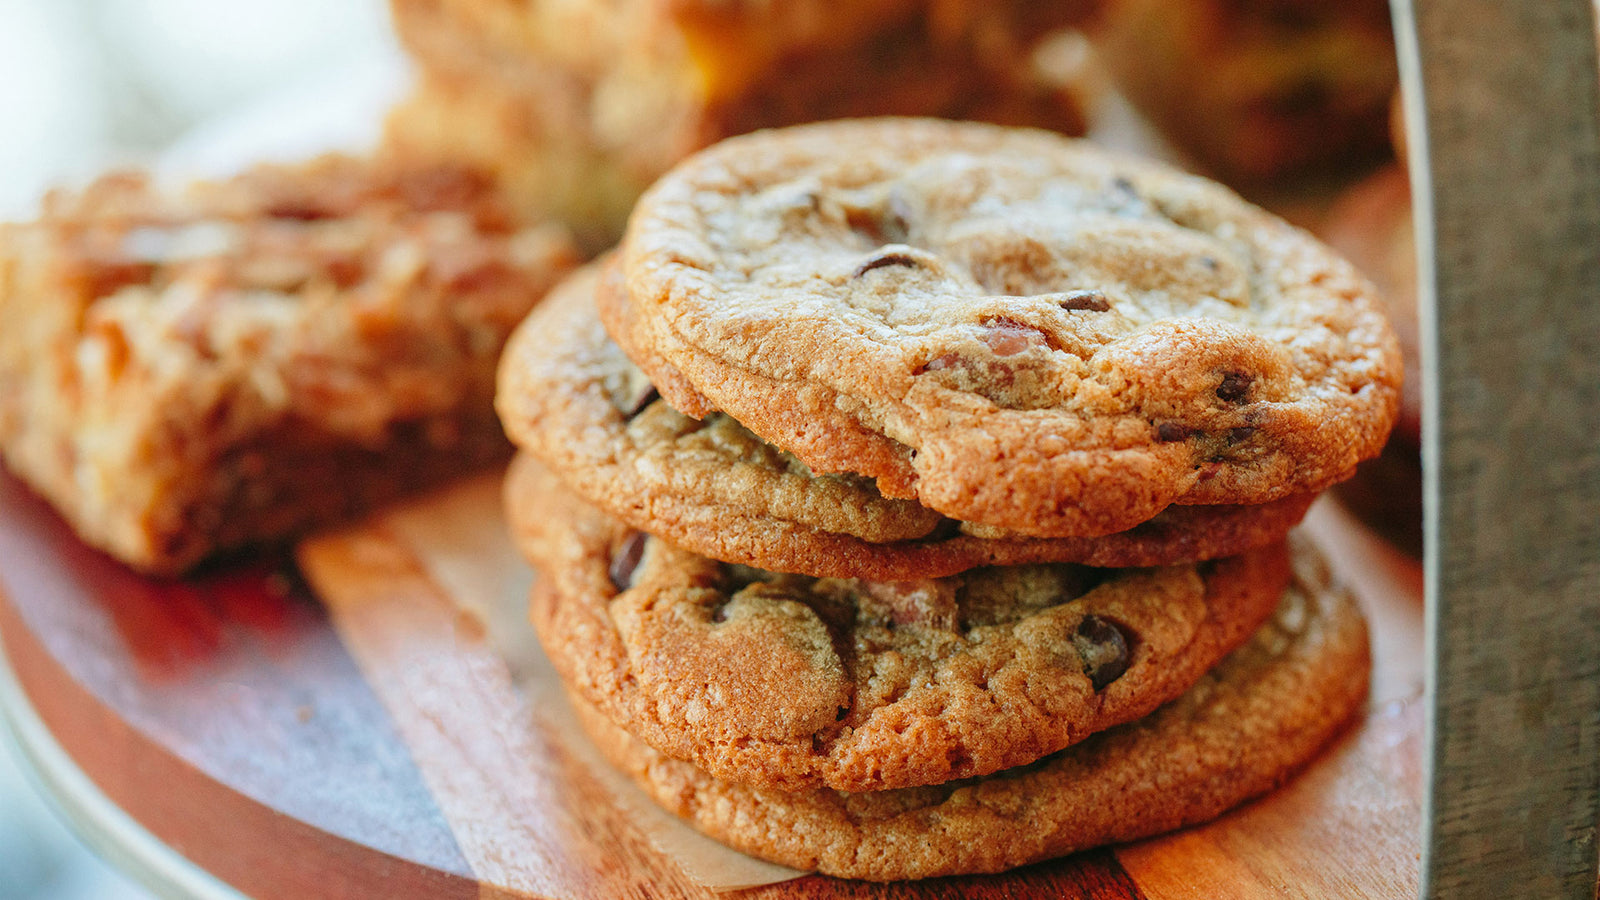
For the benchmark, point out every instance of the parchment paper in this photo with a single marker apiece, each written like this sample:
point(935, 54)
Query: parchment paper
point(460, 537)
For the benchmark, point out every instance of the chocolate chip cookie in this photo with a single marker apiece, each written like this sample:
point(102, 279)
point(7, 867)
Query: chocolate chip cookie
point(1015, 329)
point(1241, 730)
point(569, 396)
point(792, 682)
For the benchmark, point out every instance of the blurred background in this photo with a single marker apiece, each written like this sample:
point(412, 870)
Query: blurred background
point(87, 84)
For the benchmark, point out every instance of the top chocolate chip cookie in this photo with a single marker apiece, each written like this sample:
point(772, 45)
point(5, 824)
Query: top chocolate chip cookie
point(1014, 328)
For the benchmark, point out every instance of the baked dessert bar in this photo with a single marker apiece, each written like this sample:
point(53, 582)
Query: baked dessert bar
point(183, 372)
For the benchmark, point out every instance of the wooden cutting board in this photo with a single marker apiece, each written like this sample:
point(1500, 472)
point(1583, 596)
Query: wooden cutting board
point(384, 749)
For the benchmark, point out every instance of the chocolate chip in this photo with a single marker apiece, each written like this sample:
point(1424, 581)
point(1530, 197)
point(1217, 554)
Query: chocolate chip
point(928, 603)
point(897, 222)
point(1103, 648)
point(1169, 432)
point(1241, 434)
point(642, 401)
point(1093, 301)
point(887, 258)
point(1008, 337)
point(626, 559)
point(1234, 387)
point(866, 222)
point(992, 375)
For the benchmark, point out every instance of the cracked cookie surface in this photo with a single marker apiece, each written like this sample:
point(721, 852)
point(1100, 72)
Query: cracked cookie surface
point(1244, 728)
point(794, 682)
point(1014, 328)
point(570, 397)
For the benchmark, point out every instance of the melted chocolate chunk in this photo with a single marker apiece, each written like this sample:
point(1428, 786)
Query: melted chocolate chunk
point(626, 559)
point(1008, 337)
point(897, 220)
point(1093, 301)
point(866, 222)
point(1169, 432)
point(929, 603)
point(887, 258)
point(1104, 649)
point(1234, 387)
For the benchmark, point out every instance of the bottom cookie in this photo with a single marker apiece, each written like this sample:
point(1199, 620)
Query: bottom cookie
point(1245, 728)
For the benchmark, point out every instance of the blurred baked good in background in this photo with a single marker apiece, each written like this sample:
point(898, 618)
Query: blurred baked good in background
point(1257, 90)
point(184, 372)
point(579, 106)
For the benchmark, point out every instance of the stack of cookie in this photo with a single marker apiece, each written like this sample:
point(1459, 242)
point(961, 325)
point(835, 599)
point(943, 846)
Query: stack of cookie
point(910, 497)
point(578, 106)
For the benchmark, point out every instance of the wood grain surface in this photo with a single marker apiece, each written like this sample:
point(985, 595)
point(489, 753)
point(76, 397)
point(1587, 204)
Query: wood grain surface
point(223, 713)
point(386, 751)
